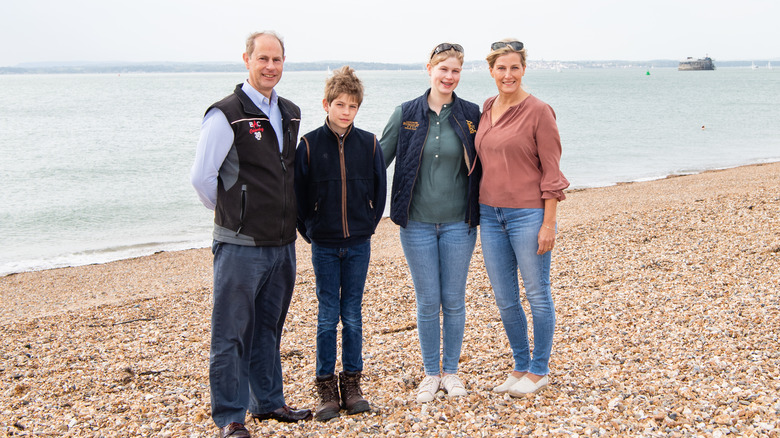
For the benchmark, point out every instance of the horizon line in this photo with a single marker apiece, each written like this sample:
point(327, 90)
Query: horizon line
point(29, 64)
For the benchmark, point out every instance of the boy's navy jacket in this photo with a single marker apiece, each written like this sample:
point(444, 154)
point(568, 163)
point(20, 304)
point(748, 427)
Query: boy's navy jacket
point(340, 186)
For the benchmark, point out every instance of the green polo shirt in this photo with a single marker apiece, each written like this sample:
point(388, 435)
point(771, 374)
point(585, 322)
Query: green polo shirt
point(441, 189)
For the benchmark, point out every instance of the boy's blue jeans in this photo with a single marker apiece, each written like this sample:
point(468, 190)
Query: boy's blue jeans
point(341, 277)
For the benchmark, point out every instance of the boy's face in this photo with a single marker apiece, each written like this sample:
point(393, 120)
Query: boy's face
point(341, 112)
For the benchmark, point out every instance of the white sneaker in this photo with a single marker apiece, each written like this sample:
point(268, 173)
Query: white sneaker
point(504, 387)
point(527, 386)
point(453, 385)
point(428, 388)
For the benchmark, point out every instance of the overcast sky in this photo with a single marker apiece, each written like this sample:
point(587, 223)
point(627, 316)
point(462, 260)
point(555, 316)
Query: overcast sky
point(386, 31)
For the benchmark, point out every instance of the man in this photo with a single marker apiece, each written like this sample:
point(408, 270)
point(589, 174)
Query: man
point(243, 170)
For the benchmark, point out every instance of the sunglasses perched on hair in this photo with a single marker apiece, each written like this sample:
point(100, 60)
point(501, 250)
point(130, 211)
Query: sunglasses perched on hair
point(443, 47)
point(514, 45)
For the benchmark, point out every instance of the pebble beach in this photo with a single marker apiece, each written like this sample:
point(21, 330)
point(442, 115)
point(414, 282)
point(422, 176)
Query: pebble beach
point(668, 325)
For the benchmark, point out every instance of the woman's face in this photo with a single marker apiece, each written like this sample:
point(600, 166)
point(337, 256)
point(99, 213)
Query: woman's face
point(508, 73)
point(445, 75)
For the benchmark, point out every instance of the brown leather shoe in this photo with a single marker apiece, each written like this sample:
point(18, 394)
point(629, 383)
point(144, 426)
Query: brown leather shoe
point(351, 395)
point(328, 390)
point(285, 414)
point(234, 430)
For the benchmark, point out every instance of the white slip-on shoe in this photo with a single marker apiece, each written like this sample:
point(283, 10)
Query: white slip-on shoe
point(428, 388)
point(504, 387)
point(453, 385)
point(527, 386)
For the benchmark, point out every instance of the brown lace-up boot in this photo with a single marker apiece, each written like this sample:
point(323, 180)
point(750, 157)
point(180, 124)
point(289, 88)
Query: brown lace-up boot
point(328, 390)
point(351, 395)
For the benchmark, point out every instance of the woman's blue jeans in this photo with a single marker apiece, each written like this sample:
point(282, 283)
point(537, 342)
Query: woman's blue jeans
point(438, 256)
point(509, 241)
point(341, 276)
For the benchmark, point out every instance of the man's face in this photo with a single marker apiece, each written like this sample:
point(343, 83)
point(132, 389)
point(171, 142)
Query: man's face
point(265, 64)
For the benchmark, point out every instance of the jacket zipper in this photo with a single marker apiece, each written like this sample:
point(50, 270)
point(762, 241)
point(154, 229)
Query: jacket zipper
point(465, 151)
point(469, 168)
point(416, 172)
point(284, 185)
point(342, 163)
point(242, 213)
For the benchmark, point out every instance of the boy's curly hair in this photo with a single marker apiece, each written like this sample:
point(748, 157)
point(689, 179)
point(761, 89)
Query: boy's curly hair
point(344, 81)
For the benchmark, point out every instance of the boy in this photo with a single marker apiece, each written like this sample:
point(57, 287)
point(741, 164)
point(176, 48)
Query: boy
point(340, 187)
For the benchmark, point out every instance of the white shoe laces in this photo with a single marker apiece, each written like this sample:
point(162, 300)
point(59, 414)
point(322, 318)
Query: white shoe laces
point(451, 383)
point(429, 384)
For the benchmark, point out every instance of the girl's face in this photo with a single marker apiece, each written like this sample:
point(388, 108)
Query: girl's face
point(508, 73)
point(445, 75)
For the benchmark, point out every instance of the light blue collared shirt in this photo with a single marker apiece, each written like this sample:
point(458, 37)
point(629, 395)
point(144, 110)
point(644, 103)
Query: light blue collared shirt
point(216, 139)
point(269, 107)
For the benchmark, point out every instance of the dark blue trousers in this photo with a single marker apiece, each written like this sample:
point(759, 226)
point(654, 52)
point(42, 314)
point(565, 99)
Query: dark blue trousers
point(341, 278)
point(252, 291)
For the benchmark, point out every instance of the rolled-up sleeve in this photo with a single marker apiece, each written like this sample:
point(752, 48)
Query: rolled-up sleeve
point(548, 142)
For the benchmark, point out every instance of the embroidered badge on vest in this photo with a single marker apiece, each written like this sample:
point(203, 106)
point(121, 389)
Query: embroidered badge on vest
point(472, 129)
point(411, 125)
point(256, 129)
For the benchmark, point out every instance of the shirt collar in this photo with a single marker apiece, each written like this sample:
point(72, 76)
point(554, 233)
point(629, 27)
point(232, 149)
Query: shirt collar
point(257, 98)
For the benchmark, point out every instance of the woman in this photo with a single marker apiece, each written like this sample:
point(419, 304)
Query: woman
point(519, 149)
point(434, 200)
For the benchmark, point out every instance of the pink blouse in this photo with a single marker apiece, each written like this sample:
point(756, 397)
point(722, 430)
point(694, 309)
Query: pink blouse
point(520, 155)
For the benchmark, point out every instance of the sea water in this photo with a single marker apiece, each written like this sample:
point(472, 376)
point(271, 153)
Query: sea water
point(96, 167)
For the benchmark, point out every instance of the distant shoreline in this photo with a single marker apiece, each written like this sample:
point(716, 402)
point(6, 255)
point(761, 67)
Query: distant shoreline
point(227, 67)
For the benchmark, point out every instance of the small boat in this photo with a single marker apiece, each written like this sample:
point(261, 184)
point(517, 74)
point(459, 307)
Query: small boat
point(753, 65)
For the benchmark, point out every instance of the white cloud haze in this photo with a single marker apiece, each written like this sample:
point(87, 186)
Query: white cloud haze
point(386, 31)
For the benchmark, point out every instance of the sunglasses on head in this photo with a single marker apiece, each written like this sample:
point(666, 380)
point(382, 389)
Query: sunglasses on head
point(514, 45)
point(443, 47)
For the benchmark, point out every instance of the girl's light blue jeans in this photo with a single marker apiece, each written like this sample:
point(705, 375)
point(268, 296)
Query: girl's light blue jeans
point(439, 256)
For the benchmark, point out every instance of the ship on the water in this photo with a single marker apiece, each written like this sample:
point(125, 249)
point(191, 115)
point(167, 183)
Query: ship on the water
point(696, 64)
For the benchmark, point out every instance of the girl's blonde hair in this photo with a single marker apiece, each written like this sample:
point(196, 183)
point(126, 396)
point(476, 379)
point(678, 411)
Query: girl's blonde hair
point(436, 58)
